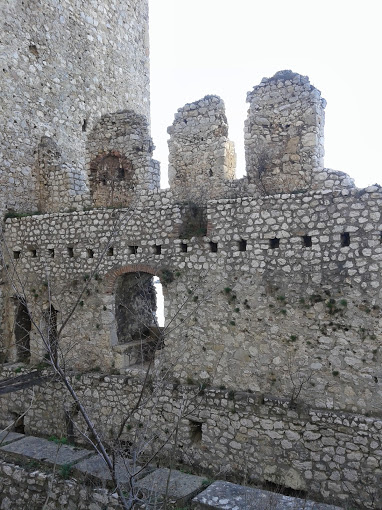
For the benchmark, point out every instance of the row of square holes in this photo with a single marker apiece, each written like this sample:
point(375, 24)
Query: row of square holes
point(133, 250)
point(157, 249)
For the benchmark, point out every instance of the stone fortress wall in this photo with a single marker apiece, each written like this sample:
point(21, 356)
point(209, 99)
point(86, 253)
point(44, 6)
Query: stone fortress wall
point(64, 64)
point(291, 279)
point(272, 282)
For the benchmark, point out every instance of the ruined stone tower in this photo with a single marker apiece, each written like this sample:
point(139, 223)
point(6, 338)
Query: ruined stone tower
point(64, 65)
point(272, 286)
point(201, 156)
point(284, 133)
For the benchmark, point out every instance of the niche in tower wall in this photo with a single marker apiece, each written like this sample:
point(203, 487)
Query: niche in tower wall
point(112, 176)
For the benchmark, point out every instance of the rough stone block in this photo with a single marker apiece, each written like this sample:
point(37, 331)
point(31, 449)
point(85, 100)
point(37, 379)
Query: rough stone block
point(181, 487)
point(44, 451)
point(7, 437)
point(229, 496)
point(95, 468)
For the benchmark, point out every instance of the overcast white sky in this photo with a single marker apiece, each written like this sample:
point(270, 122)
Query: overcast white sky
point(225, 47)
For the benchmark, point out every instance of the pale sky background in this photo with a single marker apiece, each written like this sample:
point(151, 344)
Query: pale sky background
point(226, 47)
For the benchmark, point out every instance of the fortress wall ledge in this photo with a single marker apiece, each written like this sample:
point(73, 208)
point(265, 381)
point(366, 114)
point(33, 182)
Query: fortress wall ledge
point(293, 280)
point(332, 456)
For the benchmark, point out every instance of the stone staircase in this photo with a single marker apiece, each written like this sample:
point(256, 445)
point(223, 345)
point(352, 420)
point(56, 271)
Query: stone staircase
point(182, 490)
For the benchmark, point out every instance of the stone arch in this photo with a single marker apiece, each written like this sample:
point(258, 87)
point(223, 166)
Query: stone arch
point(112, 175)
point(132, 299)
point(119, 159)
point(111, 276)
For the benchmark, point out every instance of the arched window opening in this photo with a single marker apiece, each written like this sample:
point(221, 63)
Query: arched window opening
point(22, 333)
point(139, 312)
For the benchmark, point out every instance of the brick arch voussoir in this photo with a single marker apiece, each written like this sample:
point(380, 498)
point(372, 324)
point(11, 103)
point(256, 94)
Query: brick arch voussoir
point(111, 276)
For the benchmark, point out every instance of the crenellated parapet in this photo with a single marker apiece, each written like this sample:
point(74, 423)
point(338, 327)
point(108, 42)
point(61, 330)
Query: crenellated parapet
point(284, 133)
point(201, 156)
point(119, 159)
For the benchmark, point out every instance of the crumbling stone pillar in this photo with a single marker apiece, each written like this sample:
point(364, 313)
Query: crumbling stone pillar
point(201, 156)
point(120, 160)
point(284, 133)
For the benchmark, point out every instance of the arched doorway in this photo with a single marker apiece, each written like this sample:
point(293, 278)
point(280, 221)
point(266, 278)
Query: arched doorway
point(139, 314)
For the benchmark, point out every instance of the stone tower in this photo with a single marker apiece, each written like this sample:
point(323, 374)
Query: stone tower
point(64, 65)
point(284, 133)
point(201, 157)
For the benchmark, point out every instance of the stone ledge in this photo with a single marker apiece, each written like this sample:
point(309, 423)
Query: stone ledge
point(229, 496)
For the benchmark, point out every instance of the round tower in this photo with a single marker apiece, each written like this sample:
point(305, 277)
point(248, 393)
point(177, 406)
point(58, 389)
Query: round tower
point(64, 64)
point(284, 133)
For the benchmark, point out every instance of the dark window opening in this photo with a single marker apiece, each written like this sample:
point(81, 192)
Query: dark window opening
point(133, 250)
point(213, 247)
point(22, 330)
point(70, 252)
point(18, 423)
point(274, 243)
point(345, 239)
point(16, 254)
point(84, 125)
point(210, 173)
point(90, 253)
point(283, 489)
point(157, 249)
point(70, 416)
point(183, 247)
point(33, 49)
point(139, 314)
point(51, 252)
point(196, 432)
point(121, 173)
point(194, 220)
point(307, 241)
point(380, 237)
point(242, 245)
point(33, 253)
point(110, 252)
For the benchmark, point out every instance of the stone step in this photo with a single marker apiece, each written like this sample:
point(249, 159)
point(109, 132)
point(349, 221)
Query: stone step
point(223, 495)
point(180, 487)
point(95, 469)
point(7, 437)
point(42, 450)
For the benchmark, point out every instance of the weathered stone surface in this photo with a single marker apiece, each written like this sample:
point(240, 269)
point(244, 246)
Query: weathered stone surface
point(201, 157)
point(64, 65)
point(95, 467)
point(45, 451)
point(22, 488)
point(272, 283)
point(179, 488)
point(228, 496)
point(7, 437)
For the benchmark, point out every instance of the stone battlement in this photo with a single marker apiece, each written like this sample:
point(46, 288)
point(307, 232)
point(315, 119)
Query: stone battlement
point(271, 283)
